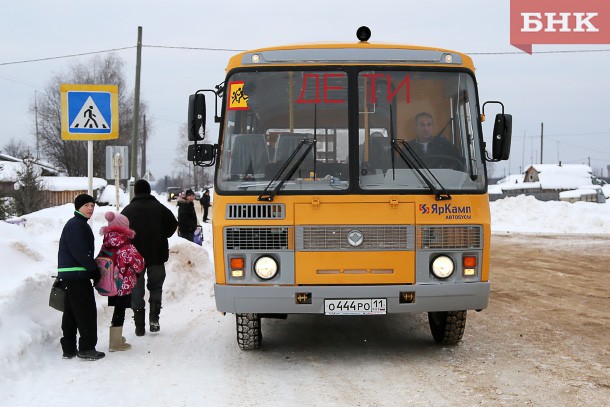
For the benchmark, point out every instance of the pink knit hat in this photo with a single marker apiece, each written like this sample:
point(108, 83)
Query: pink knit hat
point(116, 220)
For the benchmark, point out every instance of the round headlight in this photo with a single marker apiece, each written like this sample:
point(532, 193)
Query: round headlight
point(265, 267)
point(442, 266)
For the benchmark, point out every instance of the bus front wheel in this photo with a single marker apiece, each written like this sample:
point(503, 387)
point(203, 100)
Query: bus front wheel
point(249, 334)
point(447, 327)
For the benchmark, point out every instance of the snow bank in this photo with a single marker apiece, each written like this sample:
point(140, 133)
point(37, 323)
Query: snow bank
point(525, 214)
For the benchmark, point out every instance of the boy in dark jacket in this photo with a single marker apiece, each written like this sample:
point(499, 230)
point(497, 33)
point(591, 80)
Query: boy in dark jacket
point(153, 223)
point(75, 268)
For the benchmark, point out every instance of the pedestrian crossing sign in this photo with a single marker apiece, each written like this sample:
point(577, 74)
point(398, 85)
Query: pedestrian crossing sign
point(89, 112)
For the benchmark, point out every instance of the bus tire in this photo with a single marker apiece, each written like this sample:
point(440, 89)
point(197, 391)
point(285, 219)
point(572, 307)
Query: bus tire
point(447, 327)
point(249, 334)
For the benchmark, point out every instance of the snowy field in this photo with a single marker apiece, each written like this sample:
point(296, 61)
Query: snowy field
point(187, 363)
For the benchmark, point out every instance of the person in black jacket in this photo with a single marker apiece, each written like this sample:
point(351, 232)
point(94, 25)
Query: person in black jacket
point(187, 216)
point(205, 204)
point(76, 266)
point(153, 223)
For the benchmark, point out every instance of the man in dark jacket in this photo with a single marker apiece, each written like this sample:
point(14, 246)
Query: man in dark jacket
point(205, 204)
point(75, 267)
point(435, 150)
point(153, 223)
point(187, 216)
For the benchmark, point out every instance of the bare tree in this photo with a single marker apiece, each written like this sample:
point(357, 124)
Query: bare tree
point(16, 148)
point(71, 156)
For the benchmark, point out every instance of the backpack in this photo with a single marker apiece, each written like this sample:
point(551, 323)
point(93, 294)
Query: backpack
point(110, 281)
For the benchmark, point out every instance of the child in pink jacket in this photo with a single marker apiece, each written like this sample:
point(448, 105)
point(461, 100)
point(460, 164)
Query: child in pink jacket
point(117, 245)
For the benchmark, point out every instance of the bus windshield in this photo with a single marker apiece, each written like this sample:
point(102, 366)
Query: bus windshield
point(297, 129)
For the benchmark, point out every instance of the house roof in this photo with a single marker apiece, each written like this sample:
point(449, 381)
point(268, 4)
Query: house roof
point(71, 183)
point(10, 166)
point(566, 176)
point(550, 176)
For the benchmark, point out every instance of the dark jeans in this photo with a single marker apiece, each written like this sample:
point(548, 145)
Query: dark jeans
point(205, 213)
point(190, 236)
point(79, 316)
point(156, 277)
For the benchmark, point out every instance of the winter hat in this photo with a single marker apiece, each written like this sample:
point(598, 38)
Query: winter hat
point(141, 187)
point(82, 199)
point(116, 220)
point(189, 192)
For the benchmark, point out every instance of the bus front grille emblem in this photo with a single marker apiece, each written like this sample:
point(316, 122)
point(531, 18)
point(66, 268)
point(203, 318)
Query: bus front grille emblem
point(355, 238)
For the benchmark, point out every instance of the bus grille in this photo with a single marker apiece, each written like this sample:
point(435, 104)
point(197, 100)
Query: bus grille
point(449, 237)
point(375, 238)
point(256, 211)
point(256, 238)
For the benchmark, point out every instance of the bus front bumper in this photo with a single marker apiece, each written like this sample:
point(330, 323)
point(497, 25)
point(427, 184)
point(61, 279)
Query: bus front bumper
point(283, 299)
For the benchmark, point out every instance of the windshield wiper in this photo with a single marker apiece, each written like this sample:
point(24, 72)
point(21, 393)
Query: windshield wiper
point(415, 162)
point(287, 169)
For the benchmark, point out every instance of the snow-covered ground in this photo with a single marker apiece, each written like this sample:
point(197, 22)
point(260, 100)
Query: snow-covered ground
point(186, 363)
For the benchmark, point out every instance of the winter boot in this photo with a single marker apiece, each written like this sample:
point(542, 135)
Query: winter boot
point(117, 341)
point(90, 354)
point(153, 318)
point(138, 317)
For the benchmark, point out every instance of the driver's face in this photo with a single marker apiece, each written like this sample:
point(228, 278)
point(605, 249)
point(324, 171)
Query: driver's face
point(423, 129)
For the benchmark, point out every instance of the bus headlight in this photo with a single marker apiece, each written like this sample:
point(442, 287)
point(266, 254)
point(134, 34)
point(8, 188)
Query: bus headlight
point(265, 267)
point(442, 266)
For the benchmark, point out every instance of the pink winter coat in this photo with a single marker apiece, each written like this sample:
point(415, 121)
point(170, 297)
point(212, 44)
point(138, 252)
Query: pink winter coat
point(117, 240)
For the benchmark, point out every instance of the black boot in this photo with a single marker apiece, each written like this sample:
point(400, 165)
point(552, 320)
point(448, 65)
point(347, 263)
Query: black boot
point(153, 318)
point(138, 317)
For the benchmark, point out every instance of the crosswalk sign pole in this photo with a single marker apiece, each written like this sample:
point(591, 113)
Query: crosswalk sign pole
point(90, 165)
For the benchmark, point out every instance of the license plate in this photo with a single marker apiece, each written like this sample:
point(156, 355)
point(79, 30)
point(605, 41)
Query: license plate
point(369, 306)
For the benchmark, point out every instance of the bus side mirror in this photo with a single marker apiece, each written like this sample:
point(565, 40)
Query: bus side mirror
point(503, 128)
point(196, 117)
point(202, 154)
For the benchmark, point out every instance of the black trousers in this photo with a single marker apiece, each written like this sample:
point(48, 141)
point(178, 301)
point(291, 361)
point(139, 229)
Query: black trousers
point(205, 213)
point(80, 315)
point(187, 235)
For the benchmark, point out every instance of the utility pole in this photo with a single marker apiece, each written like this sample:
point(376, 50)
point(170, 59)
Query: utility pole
point(523, 153)
point(143, 163)
point(136, 111)
point(541, 140)
point(37, 135)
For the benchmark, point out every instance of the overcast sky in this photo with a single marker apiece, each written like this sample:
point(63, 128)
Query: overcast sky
point(568, 91)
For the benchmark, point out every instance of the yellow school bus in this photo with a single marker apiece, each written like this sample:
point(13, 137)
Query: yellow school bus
point(350, 179)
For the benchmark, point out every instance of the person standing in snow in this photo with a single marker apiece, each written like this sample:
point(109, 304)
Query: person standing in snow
point(187, 216)
point(205, 204)
point(117, 245)
point(75, 268)
point(153, 224)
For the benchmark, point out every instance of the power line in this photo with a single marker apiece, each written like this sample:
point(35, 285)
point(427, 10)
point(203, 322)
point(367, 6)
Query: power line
point(194, 48)
point(63, 56)
point(241, 50)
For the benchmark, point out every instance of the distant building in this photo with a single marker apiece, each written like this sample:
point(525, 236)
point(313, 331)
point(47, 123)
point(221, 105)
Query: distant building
point(11, 165)
point(547, 182)
point(58, 190)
